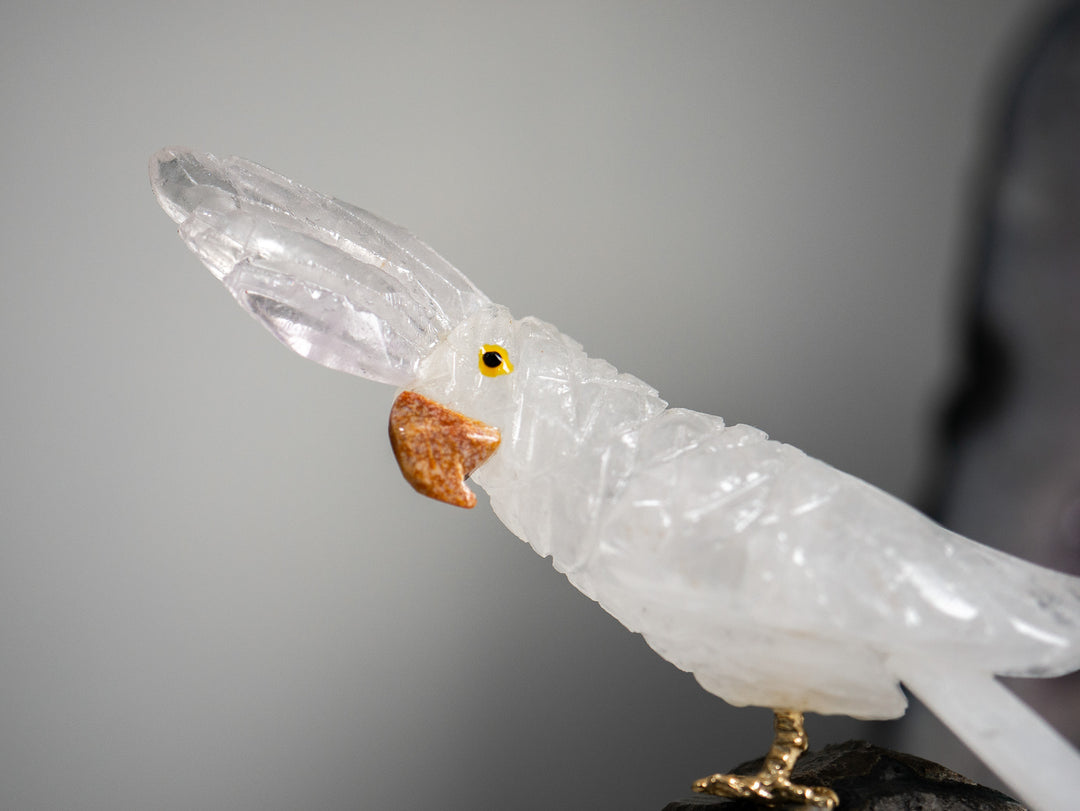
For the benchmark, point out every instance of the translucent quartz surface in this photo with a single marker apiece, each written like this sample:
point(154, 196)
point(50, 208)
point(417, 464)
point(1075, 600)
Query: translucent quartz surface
point(338, 285)
point(776, 579)
point(772, 577)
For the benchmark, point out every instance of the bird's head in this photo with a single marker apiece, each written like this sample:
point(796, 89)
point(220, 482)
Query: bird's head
point(497, 391)
point(519, 398)
point(451, 418)
point(355, 293)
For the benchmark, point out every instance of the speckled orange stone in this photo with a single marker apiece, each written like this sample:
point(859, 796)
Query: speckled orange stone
point(436, 448)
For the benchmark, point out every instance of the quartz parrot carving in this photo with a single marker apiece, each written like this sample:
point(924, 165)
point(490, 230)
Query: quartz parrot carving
point(775, 579)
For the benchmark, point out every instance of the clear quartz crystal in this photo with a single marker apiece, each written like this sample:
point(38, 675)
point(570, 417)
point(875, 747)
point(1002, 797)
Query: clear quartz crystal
point(336, 284)
point(772, 577)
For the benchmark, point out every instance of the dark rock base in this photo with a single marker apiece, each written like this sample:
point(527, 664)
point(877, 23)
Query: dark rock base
point(869, 778)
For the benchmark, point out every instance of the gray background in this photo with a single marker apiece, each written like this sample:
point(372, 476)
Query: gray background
point(215, 589)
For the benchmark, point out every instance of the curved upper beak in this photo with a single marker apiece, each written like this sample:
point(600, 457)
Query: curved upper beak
point(437, 449)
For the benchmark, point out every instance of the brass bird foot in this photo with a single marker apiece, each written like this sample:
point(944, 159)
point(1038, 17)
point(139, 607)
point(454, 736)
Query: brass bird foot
point(772, 785)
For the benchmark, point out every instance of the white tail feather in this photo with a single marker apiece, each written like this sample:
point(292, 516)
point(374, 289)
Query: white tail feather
point(1007, 735)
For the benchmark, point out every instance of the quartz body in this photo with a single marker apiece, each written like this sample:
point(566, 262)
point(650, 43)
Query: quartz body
point(774, 578)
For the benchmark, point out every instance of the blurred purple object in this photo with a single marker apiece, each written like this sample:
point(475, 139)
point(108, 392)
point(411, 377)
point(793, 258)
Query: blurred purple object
point(1009, 472)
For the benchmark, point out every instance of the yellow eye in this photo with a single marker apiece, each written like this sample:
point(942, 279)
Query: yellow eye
point(495, 361)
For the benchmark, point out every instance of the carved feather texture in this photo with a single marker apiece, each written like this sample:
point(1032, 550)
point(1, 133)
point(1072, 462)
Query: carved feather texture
point(772, 577)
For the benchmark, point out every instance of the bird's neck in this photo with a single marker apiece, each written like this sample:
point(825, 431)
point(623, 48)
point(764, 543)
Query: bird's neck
point(567, 455)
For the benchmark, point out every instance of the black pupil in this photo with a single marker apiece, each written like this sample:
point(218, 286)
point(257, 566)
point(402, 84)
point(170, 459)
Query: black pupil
point(493, 360)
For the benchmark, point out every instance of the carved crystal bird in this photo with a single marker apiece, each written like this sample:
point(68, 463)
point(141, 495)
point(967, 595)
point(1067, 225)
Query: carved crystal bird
point(775, 579)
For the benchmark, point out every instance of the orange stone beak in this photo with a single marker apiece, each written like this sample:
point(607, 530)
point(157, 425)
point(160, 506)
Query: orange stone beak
point(437, 449)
